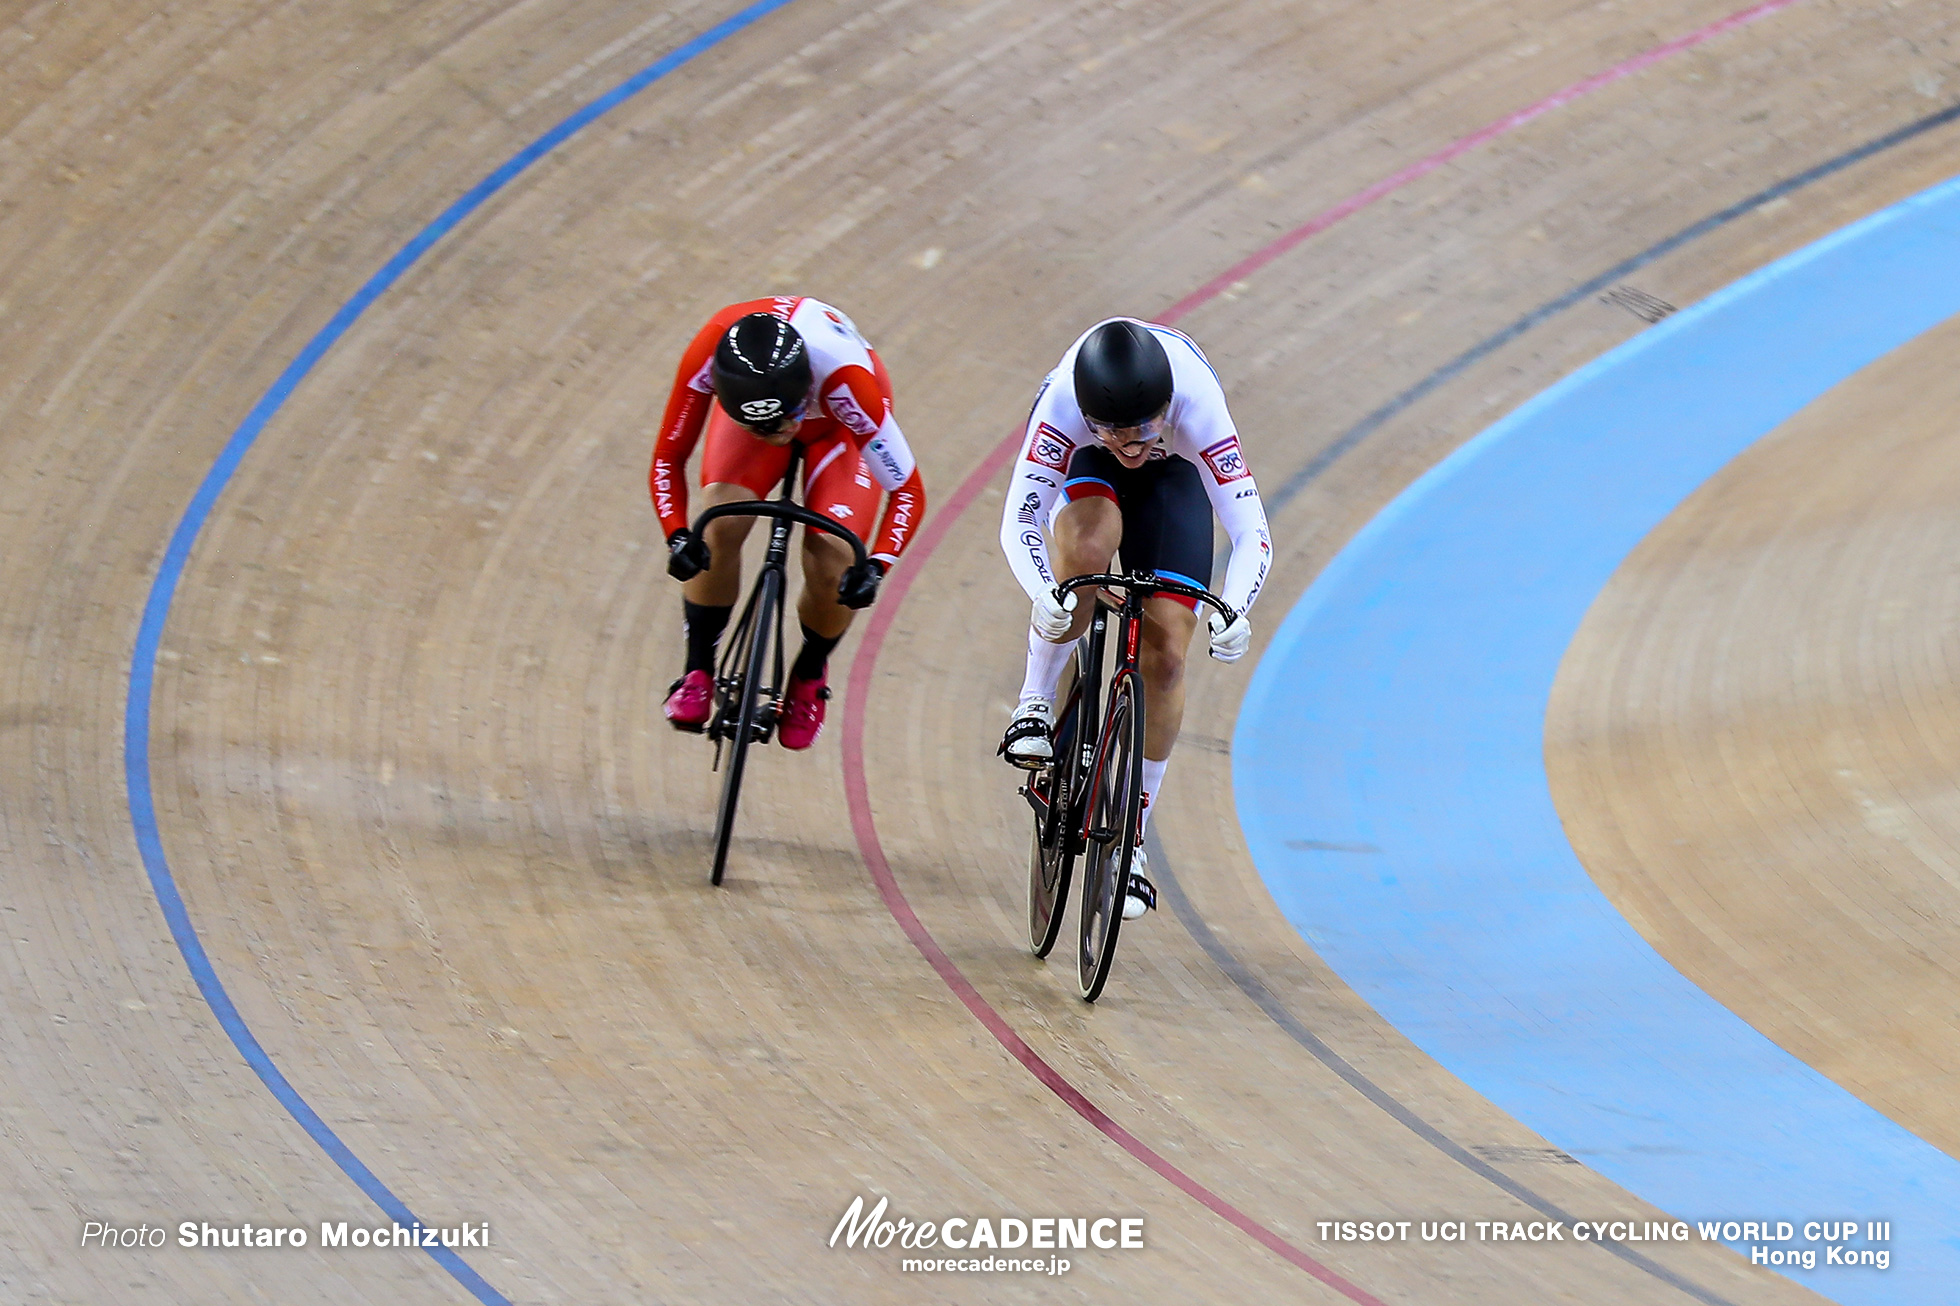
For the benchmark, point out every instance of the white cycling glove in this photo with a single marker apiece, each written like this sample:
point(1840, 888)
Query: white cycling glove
point(1051, 619)
point(1229, 643)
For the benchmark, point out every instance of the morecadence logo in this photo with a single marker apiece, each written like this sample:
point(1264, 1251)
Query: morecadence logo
point(872, 1227)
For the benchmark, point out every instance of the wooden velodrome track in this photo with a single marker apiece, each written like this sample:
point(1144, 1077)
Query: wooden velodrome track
point(402, 747)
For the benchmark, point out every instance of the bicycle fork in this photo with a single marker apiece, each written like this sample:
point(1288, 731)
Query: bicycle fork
point(769, 705)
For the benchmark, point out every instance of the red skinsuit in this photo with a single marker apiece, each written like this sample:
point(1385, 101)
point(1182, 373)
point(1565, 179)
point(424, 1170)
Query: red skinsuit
point(851, 444)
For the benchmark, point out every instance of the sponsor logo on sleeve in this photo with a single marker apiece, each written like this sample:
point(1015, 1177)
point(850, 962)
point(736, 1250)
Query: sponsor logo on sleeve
point(1030, 509)
point(1032, 541)
point(1050, 448)
point(1225, 460)
point(896, 469)
point(844, 407)
point(844, 324)
point(701, 381)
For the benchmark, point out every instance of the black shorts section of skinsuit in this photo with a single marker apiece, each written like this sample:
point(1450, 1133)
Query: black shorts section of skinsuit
point(1166, 515)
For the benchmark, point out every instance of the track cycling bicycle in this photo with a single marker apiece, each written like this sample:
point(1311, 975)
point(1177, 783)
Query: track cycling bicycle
point(1088, 798)
point(749, 680)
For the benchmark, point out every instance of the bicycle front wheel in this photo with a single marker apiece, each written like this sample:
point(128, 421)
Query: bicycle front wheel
point(1115, 798)
point(1051, 854)
point(747, 695)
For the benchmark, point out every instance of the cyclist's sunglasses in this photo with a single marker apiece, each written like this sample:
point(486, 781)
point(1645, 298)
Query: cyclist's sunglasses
point(1148, 433)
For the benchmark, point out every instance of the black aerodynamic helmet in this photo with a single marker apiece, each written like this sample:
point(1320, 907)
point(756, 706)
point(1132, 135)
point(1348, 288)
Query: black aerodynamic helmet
point(1122, 374)
point(761, 372)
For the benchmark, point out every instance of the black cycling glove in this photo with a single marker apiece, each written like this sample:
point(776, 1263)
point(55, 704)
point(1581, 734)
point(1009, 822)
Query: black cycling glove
point(687, 554)
point(860, 583)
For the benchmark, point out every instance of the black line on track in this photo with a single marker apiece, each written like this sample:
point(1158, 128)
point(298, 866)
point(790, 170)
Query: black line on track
point(1266, 1000)
point(1242, 976)
point(1449, 371)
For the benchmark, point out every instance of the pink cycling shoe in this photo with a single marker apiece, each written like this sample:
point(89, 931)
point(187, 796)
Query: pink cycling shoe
point(690, 701)
point(803, 709)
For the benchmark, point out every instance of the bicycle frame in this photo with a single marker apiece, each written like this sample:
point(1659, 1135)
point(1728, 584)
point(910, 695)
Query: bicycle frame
point(784, 512)
point(746, 710)
point(1073, 780)
point(1088, 800)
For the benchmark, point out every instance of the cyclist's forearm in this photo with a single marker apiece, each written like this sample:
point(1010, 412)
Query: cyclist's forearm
point(1032, 490)
point(905, 508)
point(1252, 557)
point(687, 414)
point(1025, 548)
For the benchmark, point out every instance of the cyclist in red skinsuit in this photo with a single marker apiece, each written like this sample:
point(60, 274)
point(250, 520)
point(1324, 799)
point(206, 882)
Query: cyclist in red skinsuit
point(759, 377)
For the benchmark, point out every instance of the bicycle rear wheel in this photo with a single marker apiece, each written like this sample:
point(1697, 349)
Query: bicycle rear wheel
point(1051, 854)
point(747, 693)
point(1115, 798)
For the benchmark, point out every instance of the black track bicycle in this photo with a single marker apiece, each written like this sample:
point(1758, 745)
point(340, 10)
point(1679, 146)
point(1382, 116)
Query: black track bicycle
point(1088, 799)
point(749, 681)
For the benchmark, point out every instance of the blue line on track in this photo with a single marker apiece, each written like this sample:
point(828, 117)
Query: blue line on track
point(156, 613)
point(1400, 708)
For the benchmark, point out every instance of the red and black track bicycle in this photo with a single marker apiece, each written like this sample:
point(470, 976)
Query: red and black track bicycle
point(1088, 800)
point(749, 681)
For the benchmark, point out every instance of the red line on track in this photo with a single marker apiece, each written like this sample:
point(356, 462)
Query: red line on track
point(1423, 167)
point(856, 789)
point(858, 796)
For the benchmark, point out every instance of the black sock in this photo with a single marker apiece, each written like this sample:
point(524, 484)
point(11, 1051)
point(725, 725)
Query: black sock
point(703, 625)
point(816, 652)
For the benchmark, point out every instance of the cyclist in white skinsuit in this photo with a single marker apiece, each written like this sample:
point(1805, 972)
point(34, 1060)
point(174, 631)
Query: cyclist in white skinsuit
point(1132, 431)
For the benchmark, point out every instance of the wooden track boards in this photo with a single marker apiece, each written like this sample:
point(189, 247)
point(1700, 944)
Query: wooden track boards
point(1764, 786)
point(404, 765)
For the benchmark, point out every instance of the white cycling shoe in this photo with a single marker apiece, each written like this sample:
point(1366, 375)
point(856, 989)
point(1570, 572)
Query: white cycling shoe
point(1142, 895)
point(1030, 740)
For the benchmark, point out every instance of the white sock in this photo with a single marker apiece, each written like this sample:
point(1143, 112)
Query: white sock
point(1153, 779)
point(1045, 663)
